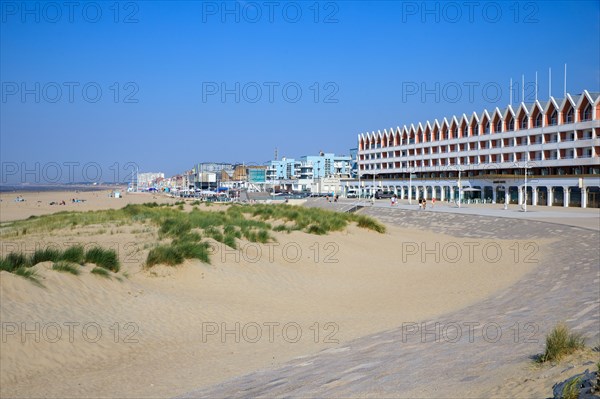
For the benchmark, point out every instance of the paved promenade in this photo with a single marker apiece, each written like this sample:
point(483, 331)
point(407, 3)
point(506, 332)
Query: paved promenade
point(498, 334)
point(577, 217)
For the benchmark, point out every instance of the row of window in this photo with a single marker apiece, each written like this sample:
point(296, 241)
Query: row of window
point(474, 129)
point(508, 142)
point(568, 153)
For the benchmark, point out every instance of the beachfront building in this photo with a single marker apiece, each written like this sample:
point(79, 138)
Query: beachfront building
point(208, 175)
point(540, 153)
point(308, 173)
point(285, 168)
point(148, 180)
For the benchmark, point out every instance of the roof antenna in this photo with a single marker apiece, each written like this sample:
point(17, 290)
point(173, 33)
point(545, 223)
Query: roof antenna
point(510, 90)
point(565, 79)
point(536, 86)
point(549, 83)
point(522, 88)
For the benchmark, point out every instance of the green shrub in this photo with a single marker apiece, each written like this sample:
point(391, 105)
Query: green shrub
point(105, 258)
point(66, 268)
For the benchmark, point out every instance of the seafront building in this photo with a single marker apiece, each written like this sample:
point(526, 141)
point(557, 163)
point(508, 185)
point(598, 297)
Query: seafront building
point(544, 153)
point(312, 173)
point(148, 179)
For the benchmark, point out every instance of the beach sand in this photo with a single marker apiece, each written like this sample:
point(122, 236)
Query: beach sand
point(38, 202)
point(171, 330)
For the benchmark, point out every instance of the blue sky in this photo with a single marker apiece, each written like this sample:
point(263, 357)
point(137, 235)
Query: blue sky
point(167, 85)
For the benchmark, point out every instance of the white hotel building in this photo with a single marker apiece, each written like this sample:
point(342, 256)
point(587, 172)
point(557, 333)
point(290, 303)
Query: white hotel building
point(487, 155)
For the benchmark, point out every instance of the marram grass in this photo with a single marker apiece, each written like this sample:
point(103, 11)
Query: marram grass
point(184, 229)
point(561, 342)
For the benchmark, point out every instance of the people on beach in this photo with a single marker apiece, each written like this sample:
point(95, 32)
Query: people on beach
point(424, 203)
point(420, 204)
point(394, 200)
point(432, 202)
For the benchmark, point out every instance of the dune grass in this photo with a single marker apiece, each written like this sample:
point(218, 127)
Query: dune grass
point(74, 254)
point(561, 342)
point(175, 253)
point(366, 222)
point(14, 261)
point(28, 274)
point(185, 229)
point(66, 261)
point(571, 389)
point(45, 255)
point(66, 267)
point(105, 258)
point(172, 221)
point(99, 271)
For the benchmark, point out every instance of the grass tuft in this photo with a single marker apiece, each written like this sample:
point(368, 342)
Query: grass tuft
point(369, 223)
point(164, 255)
point(561, 342)
point(105, 258)
point(571, 389)
point(45, 255)
point(74, 254)
point(66, 268)
point(177, 252)
point(99, 271)
point(13, 261)
point(29, 274)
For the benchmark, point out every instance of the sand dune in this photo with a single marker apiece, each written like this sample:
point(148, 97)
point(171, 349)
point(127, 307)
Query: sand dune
point(305, 294)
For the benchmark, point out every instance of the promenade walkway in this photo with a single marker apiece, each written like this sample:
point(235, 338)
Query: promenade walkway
point(497, 336)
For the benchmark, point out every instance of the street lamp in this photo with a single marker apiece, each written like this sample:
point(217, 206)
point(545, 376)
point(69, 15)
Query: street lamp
point(525, 167)
point(459, 187)
point(359, 188)
point(317, 175)
point(373, 189)
point(410, 170)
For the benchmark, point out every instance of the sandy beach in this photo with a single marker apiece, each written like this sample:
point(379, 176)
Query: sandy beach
point(170, 330)
point(38, 203)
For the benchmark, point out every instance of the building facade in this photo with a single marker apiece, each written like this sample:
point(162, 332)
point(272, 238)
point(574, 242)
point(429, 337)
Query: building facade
point(539, 153)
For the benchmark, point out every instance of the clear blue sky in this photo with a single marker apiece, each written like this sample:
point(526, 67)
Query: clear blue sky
point(357, 64)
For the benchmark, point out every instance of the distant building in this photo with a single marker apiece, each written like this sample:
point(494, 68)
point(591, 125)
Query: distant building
point(257, 174)
point(207, 175)
point(148, 179)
